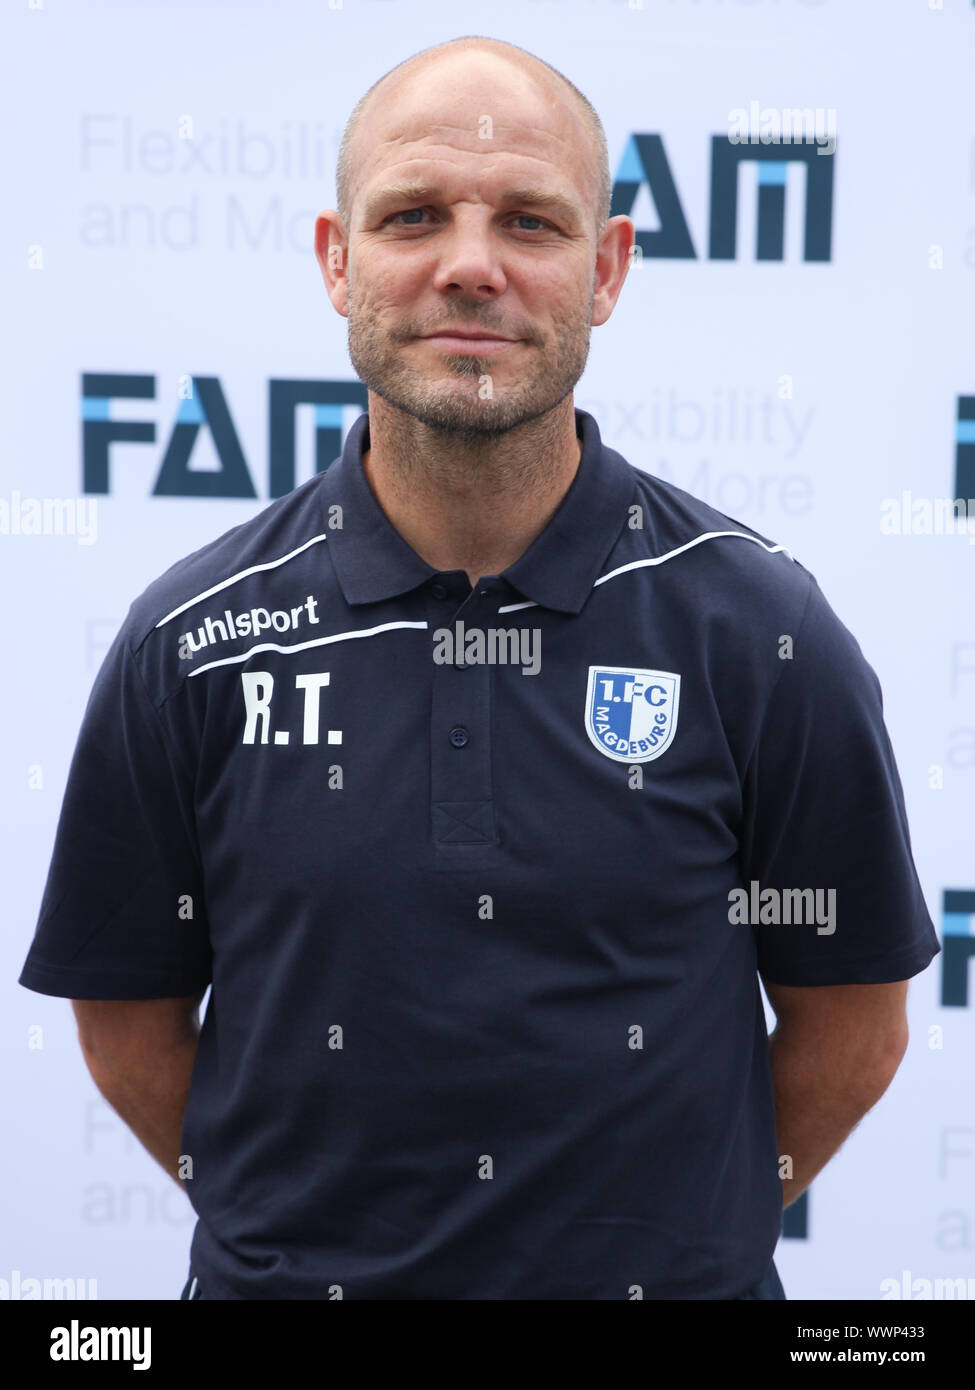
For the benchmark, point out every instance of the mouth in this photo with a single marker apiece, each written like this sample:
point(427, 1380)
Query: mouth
point(484, 343)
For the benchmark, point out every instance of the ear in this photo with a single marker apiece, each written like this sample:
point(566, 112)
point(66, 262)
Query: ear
point(613, 254)
point(331, 252)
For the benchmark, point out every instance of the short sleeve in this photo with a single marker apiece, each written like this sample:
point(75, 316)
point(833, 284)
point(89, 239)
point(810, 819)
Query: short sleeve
point(122, 915)
point(824, 811)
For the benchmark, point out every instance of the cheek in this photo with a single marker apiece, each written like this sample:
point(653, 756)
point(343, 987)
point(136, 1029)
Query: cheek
point(549, 290)
point(391, 285)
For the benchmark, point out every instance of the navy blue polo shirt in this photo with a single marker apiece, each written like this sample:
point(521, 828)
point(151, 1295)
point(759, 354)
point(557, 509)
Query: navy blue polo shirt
point(460, 867)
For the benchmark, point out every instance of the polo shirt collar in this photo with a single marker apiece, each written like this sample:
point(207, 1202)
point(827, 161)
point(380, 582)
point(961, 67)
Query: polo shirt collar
point(373, 562)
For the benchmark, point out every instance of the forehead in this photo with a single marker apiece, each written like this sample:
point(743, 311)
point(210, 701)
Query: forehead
point(438, 118)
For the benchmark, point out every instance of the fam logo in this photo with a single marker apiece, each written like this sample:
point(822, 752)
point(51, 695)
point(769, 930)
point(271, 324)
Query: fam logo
point(631, 715)
point(957, 945)
point(202, 404)
point(645, 162)
point(965, 446)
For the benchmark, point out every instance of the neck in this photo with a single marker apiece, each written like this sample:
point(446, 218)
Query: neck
point(472, 505)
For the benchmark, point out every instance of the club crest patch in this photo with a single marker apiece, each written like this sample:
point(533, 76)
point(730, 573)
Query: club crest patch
point(631, 715)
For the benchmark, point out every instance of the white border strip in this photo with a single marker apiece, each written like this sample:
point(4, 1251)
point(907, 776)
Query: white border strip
point(225, 583)
point(301, 646)
point(660, 559)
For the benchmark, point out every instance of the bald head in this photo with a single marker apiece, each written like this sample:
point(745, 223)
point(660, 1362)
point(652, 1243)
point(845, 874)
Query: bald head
point(547, 81)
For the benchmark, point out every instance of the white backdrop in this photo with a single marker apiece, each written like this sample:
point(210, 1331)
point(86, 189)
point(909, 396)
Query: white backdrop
point(794, 394)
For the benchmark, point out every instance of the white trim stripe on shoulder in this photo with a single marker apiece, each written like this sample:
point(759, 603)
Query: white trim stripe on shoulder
point(225, 583)
point(660, 559)
point(301, 646)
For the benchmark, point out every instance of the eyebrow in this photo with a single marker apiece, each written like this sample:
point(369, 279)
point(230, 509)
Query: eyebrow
point(412, 193)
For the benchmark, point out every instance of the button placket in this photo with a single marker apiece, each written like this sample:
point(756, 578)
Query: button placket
point(460, 742)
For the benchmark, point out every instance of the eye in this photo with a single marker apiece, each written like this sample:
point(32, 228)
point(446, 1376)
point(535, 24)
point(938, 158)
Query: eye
point(407, 212)
point(417, 213)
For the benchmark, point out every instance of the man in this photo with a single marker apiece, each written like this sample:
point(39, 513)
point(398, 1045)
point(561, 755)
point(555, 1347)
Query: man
point(454, 771)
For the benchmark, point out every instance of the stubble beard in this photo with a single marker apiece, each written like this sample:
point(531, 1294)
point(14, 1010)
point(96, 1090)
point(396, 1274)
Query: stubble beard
point(474, 399)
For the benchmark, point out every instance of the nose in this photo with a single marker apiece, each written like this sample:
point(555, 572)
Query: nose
point(469, 255)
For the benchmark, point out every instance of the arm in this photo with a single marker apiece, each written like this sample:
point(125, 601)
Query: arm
point(834, 1052)
point(140, 1053)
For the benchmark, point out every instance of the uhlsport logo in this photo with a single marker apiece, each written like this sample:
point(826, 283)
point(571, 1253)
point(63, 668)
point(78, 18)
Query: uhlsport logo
point(631, 714)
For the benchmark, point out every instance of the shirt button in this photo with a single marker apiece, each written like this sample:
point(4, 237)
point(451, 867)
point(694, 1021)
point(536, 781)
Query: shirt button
point(438, 591)
point(459, 737)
